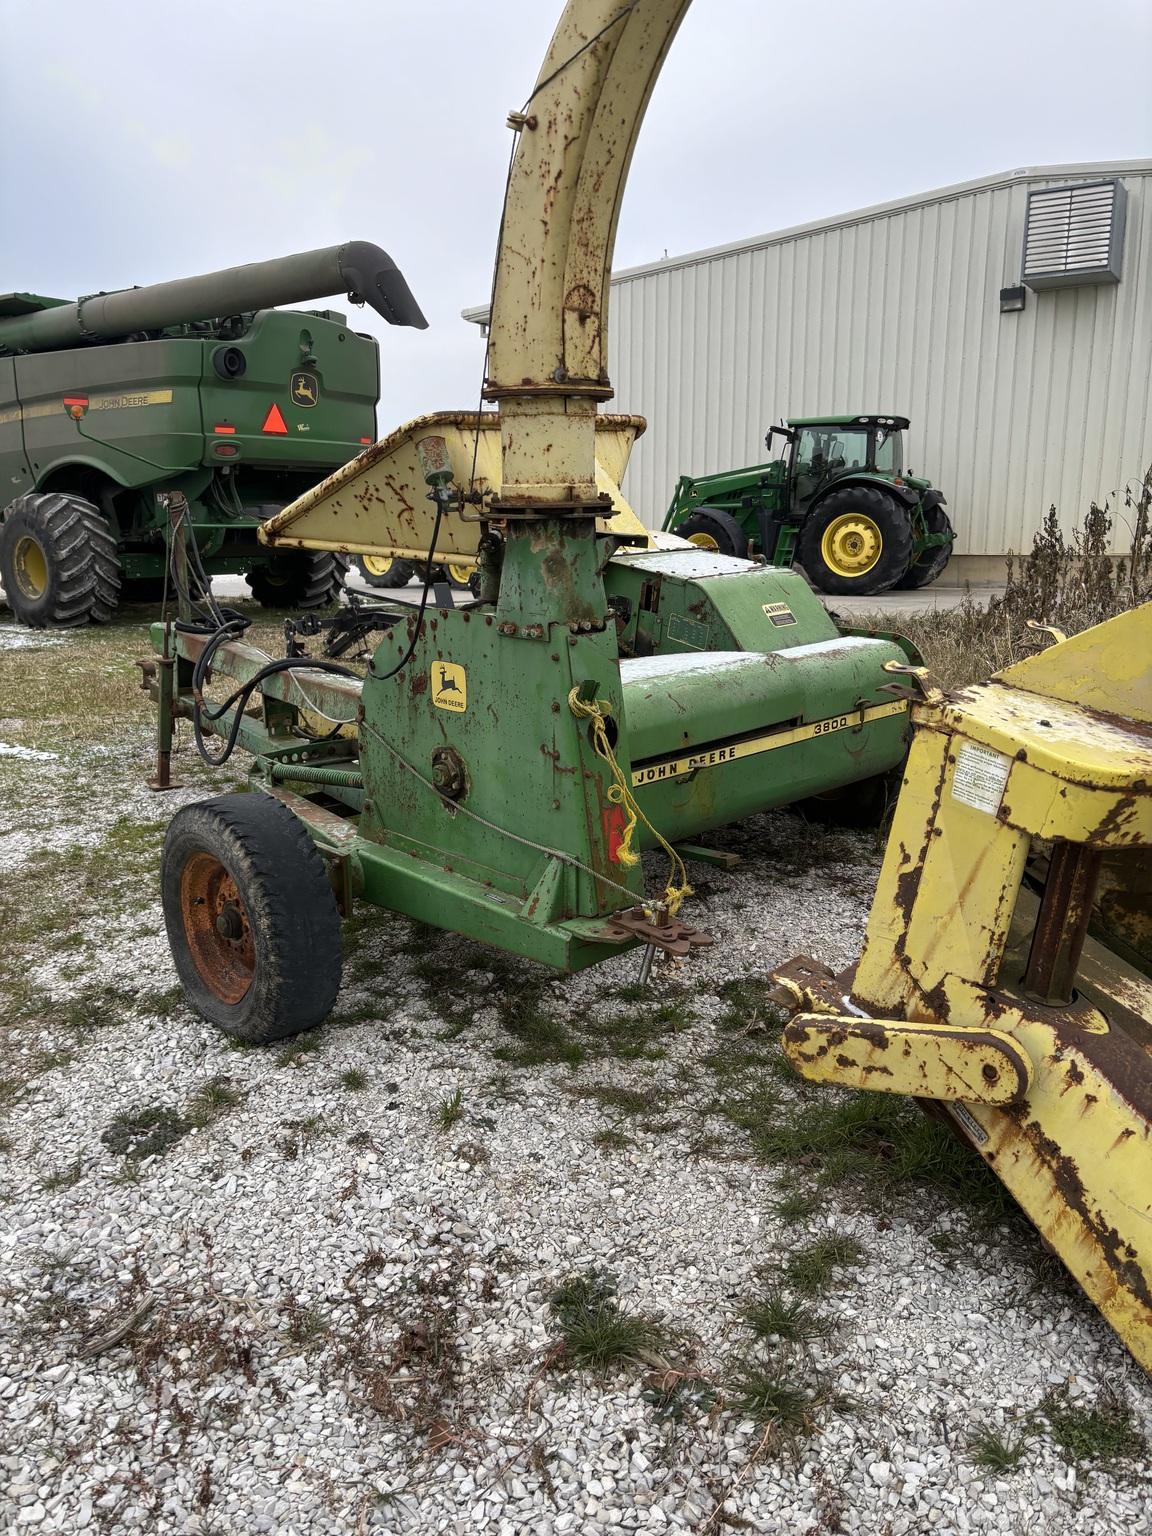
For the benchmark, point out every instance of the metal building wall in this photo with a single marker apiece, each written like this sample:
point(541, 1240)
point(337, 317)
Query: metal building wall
point(897, 309)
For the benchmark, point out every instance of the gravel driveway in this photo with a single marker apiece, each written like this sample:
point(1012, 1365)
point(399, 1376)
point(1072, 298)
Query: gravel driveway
point(313, 1289)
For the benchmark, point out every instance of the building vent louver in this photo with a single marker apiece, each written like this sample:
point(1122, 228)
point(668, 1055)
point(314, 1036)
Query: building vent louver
point(1074, 235)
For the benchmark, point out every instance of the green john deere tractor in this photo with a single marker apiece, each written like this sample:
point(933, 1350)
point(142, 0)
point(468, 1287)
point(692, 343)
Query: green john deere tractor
point(837, 501)
point(200, 386)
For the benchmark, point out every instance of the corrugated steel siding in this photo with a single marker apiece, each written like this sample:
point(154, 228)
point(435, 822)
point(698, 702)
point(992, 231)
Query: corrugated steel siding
point(900, 312)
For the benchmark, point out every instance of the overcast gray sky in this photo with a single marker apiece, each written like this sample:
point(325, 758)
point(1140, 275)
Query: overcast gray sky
point(144, 141)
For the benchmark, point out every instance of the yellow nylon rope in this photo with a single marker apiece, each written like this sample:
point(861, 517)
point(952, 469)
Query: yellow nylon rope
point(620, 794)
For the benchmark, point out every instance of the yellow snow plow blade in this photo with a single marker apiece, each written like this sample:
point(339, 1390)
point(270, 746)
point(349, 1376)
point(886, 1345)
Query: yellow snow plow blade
point(378, 504)
point(1006, 971)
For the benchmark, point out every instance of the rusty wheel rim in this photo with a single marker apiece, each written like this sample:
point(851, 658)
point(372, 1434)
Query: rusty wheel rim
point(217, 927)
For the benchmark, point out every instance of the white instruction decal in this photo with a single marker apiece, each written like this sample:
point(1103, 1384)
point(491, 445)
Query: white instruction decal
point(980, 777)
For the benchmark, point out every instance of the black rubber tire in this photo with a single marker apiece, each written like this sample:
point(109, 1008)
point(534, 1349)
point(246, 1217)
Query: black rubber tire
point(299, 578)
point(923, 571)
point(445, 574)
point(719, 525)
point(858, 806)
point(291, 910)
point(890, 517)
point(78, 548)
point(399, 574)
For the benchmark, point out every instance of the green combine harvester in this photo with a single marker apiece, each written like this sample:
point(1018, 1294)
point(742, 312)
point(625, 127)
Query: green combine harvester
point(111, 404)
point(837, 501)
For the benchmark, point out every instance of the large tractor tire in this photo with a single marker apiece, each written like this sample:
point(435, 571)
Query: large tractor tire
point(858, 540)
point(299, 578)
point(930, 562)
point(58, 561)
point(383, 571)
point(715, 530)
point(251, 917)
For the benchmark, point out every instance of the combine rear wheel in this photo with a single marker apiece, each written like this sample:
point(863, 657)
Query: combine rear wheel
point(251, 917)
point(931, 561)
point(858, 540)
point(299, 578)
point(383, 571)
point(714, 529)
point(58, 561)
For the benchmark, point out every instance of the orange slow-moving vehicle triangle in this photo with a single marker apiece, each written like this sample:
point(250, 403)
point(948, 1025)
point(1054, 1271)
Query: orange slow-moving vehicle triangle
point(274, 421)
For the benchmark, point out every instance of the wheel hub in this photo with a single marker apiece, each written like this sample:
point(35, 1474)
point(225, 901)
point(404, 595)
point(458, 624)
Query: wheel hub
point(851, 544)
point(30, 567)
point(377, 565)
point(704, 541)
point(217, 928)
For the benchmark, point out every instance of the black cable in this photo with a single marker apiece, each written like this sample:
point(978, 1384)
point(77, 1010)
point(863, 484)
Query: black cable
point(381, 677)
point(584, 47)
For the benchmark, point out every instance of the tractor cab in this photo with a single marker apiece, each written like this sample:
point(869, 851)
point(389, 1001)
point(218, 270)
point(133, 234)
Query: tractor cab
point(827, 448)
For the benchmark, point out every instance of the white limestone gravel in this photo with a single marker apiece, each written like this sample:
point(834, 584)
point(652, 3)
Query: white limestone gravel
point(342, 1318)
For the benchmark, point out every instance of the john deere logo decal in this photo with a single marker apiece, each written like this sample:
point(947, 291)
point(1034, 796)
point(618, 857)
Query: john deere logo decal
point(305, 389)
point(449, 686)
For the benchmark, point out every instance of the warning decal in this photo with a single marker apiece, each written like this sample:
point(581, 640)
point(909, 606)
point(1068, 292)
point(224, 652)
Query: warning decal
point(980, 777)
point(449, 686)
point(779, 613)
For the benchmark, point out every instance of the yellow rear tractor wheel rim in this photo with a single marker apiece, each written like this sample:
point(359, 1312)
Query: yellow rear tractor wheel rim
point(851, 544)
point(704, 541)
point(459, 573)
point(377, 565)
point(31, 567)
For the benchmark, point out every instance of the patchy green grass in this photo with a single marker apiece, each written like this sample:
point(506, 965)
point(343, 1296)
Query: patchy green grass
point(449, 1111)
point(625, 1101)
point(612, 1140)
point(776, 1315)
point(538, 1039)
point(811, 1270)
point(354, 1080)
point(596, 1334)
point(211, 1100)
point(996, 1452)
point(785, 1408)
point(299, 1048)
point(876, 1141)
point(63, 1178)
point(747, 1007)
point(1103, 1431)
point(796, 1206)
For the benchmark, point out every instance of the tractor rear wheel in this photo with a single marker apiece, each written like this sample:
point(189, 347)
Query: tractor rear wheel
point(251, 917)
point(714, 529)
point(384, 571)
point(299, 578)
point(58, 561)
point(931, 561)
point(858, 540)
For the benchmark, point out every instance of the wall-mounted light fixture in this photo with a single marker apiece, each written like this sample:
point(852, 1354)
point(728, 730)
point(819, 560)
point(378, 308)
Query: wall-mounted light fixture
point(1011, 300)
